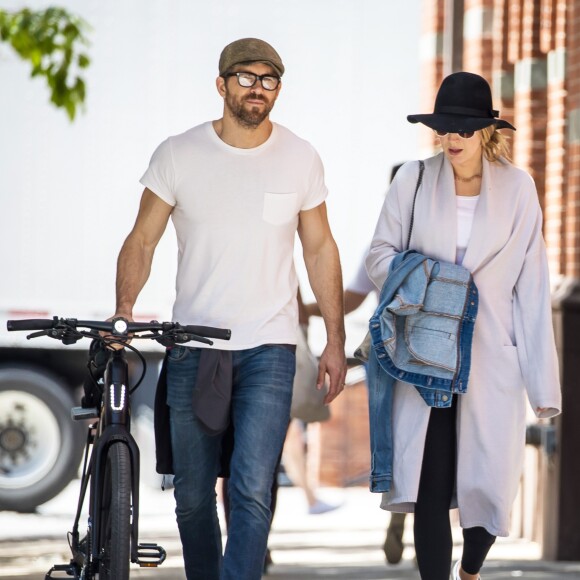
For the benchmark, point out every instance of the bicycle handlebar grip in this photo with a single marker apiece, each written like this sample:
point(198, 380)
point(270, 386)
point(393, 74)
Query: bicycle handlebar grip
point(209, 331)
point(30, 324)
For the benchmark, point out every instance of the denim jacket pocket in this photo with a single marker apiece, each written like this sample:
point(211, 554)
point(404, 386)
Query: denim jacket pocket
point(432, 340)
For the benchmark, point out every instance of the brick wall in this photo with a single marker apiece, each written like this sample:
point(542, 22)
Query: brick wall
point(502, 70)
point(433, 26)
point(478, 37)
point(530, 97)
point(571, 237)
point(344, 440)
point(553, 44)
point(530, 53)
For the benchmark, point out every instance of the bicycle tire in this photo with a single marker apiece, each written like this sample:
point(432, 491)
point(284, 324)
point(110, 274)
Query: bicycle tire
point(115, 515)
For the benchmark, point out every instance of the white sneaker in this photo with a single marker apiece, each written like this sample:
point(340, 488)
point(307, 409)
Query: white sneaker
point(455, 572)
point(321, 507)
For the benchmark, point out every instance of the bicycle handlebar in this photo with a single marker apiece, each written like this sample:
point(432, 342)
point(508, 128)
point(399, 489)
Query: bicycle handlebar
point(118, 331)
point(30, 324)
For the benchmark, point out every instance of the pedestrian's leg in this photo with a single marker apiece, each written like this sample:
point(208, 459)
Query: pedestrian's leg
point(196, 466)
point(294, 457)
point(393, 546)
point(260, 411)
point(477, 543)
point(432, 526)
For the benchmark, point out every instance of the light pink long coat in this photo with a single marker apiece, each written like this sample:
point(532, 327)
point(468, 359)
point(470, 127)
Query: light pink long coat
point(513, 349)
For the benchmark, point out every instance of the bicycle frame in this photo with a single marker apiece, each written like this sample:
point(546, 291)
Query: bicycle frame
point(113, 425)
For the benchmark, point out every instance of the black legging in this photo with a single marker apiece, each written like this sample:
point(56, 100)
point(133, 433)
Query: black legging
point(432, 526)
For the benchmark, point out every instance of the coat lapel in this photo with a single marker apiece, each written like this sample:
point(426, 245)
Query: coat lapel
point(441, 224)
point(437, 208)
point(478, 246)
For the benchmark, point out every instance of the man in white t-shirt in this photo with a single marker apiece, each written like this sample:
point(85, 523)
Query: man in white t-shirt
point(237, 189)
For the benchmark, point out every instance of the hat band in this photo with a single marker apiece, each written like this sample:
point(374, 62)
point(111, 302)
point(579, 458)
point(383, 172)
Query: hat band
point(467, 112)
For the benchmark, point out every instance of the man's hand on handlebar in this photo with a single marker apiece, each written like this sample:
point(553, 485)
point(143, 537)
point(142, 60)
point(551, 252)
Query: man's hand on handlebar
point(118, 341)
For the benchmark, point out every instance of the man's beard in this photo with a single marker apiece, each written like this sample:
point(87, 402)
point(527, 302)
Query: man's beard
point(249, 118)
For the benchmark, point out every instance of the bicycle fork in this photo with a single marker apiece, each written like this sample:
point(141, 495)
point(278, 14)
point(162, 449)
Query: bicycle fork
point(117, 417)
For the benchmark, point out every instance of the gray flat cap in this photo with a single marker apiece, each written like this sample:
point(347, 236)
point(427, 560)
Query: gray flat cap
point(249, 50)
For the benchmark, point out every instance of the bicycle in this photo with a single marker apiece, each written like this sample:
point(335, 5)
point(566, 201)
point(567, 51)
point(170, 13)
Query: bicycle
point(111, 459)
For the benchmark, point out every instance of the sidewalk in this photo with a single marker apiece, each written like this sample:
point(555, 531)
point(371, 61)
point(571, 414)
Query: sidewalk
point(345, 544)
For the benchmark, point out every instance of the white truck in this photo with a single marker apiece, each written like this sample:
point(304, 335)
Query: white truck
point(68, 198)
point(69, 194)
point(62, 224)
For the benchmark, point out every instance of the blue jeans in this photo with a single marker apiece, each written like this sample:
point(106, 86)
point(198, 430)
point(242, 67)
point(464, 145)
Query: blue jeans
point(261, 398)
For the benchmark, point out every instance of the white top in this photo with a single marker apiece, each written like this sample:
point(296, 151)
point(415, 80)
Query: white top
point(465, 211)
point(235, 215)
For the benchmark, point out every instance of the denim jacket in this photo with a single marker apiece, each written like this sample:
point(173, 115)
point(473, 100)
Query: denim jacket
point(421, 333)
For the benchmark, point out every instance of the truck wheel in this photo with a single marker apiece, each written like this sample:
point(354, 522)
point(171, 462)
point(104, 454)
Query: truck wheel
point(40, 445)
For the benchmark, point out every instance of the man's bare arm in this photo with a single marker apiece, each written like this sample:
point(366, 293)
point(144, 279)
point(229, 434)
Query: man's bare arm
point(352, 300)
point(325, 276)
point(136, 256)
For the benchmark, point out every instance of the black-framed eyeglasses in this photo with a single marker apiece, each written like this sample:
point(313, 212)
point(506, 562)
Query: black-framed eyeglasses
point(248, 80)
point(462, 134)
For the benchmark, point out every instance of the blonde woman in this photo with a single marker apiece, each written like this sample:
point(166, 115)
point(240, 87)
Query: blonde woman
point(476, 209)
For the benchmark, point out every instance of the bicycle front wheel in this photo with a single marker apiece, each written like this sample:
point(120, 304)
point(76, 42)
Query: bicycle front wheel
point(115, 515)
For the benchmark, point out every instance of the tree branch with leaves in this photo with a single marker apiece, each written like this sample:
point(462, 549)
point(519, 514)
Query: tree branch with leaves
point(53, 41)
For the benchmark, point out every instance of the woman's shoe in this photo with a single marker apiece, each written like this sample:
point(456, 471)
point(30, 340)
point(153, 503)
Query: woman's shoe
point(455, 573)
point(393, 546)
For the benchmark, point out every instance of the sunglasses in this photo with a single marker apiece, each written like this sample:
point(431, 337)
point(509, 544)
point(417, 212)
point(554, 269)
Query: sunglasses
point(462, 134)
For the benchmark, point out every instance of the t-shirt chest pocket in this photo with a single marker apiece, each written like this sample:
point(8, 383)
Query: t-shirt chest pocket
point(279, 208)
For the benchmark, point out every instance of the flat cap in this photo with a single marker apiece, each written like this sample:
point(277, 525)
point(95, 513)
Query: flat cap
point(249, 50)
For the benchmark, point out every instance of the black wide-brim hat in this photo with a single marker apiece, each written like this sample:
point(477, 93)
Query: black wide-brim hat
point(463, 103)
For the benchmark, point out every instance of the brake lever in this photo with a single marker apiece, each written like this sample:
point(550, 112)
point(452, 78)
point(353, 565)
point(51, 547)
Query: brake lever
point(172, 338)
point(186, 337)
point(63, 334)
point(37, 334)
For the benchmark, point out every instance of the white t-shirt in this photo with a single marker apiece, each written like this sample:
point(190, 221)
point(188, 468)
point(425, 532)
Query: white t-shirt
point(465, 211)
point(235, 215)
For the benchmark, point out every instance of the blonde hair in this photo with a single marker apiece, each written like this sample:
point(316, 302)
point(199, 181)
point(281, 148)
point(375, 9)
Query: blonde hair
point(494, 144)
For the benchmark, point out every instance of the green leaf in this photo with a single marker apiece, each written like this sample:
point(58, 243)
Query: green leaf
point(50, 40)
point(83, 61)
